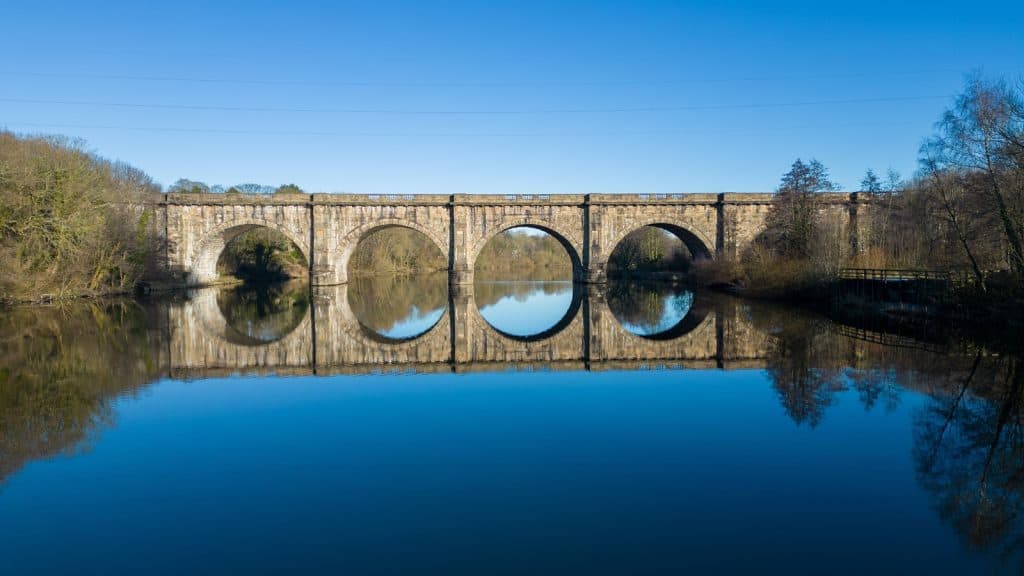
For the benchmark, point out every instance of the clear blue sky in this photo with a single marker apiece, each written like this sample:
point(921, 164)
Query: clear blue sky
point(488, 97)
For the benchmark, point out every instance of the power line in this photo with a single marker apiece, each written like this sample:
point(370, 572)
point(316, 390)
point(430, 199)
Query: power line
point(506, 112)
point(250, 132)
point(468, 84)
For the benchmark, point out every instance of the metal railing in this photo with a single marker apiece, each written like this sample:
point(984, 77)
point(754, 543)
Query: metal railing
point(892, 274)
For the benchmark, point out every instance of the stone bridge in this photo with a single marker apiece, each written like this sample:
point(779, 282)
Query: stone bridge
point(330, 339)
point(327, 227)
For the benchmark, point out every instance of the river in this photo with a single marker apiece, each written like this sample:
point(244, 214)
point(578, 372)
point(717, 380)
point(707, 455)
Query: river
point(394, 426)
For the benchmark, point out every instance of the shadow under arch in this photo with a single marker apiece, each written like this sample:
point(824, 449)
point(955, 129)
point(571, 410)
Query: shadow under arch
point(210, 249)
point(700, 308)
point(570, 250)
point(575, 303)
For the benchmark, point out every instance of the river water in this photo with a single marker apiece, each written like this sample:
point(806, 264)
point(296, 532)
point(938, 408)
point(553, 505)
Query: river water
point(392, 426)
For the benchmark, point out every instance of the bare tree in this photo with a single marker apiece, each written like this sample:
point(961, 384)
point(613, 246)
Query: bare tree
point(983, 134)
point(794, 216)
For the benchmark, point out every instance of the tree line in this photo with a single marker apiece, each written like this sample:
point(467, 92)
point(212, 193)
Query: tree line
point(962, 211)
point(186, 186)
point(71, 223)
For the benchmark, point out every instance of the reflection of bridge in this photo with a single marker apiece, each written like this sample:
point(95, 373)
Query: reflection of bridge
point(330, 339)
point(327, 227)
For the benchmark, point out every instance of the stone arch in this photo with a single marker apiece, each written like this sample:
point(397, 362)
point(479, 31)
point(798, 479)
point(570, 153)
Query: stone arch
point(574, 252)
point(203, 269)
point(352, 239)
point(699, 245)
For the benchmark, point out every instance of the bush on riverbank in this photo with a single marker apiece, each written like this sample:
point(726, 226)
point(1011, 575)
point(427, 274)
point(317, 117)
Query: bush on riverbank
point(515, 254)
point(649, 251)
point(962, 213)
point(396, 250)
point(263, 255)
point(71, 223)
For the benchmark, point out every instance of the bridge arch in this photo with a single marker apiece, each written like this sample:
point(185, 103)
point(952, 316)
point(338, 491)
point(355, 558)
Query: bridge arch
point(352, 239)
point(573, 250)
point(699, 245)
point(203, 269)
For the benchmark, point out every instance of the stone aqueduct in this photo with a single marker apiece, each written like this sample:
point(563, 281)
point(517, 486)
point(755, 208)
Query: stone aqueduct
point(327, 227)
point(717, 333)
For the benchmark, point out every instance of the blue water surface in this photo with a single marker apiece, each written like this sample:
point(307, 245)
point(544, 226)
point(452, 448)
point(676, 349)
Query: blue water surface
point(510, 472)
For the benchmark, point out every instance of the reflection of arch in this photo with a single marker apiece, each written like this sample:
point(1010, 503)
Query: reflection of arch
point(204, 262)
point(200, 339)
point(207, 311)
point(367, 339)
point(566, 320)
point(527, 222)
point(695, 241)
point(699, 310)
point(352, 239)
point(697, 338)
point(379, 338)
point(270, 299)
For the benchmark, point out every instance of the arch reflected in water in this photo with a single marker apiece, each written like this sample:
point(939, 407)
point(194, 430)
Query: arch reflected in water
point(398, 308)
point(527, 309)
point(655, 311)
point(258, 314)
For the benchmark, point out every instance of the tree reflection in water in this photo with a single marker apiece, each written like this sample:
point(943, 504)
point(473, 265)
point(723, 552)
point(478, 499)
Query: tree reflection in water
point(62, 368)
point(399, 306)
point(262, 313)
point(648, 308)
point(969, 453)
point(488, 293)
point(968, 446)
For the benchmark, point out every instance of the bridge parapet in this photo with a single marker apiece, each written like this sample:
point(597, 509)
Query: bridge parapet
point(655, 199)
point(382, 199)
point(212, 199)
point(519, 199)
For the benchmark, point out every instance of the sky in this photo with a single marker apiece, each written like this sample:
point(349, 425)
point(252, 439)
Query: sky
point(499, 97)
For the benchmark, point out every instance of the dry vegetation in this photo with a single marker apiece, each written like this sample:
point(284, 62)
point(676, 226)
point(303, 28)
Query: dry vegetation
point(71, 224)
point(963, 211)
point(396, 250)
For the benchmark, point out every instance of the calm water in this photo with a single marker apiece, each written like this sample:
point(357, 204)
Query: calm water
point(392, 427)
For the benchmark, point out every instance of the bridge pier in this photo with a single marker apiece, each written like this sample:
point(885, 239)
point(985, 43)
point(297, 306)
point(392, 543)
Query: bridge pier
point(595, 274)
point(461, 277)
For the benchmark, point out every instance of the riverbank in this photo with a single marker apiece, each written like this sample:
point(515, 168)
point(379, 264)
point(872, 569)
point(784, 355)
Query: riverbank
point(909, 307)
